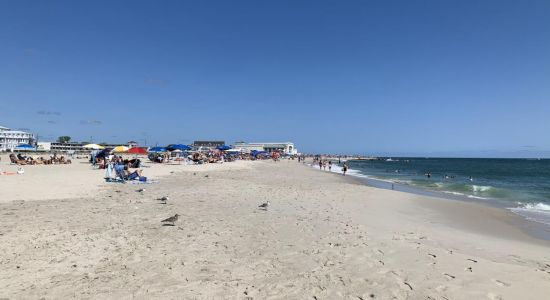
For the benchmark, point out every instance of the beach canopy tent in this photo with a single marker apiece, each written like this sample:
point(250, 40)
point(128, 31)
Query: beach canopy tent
point(157, 149)
point(137, 150)
point(24, 147)
point(181, 147)
point(120, 149)
point(223, 147)
point(93, 146)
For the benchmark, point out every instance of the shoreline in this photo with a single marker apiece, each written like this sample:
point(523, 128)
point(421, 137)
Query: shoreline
point(533, 228)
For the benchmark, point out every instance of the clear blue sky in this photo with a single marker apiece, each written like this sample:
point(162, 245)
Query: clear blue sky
point(380, 77)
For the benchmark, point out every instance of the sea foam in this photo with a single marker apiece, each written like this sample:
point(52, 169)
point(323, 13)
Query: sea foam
point(537, 212)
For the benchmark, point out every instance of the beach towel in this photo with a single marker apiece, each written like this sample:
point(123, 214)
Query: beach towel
point(114, 180)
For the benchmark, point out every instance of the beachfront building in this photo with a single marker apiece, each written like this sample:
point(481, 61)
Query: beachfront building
point(9, 139)
point(206, 145)
point(61, 147)
point(283, 147)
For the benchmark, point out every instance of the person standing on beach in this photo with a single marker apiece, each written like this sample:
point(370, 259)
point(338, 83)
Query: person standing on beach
point(329, 165)
point(320, 164)
point(344, 169)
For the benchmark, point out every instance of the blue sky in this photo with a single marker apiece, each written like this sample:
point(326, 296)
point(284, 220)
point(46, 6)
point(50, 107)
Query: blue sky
point(373, 77)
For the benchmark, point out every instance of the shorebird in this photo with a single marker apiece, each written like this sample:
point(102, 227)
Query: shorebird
point(163, 199)
point(264, 205)
point(172, 219)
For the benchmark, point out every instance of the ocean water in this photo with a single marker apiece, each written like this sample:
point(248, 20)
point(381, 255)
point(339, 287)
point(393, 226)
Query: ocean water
point(521, 185)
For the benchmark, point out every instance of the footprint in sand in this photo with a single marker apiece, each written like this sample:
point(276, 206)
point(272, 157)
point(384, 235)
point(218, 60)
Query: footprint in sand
point(494, 296)
point(449, 276)
point(501, 283)
point(441, 288)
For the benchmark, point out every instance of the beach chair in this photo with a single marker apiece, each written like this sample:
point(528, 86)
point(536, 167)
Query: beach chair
point(118, 170)
point(15, 161)
point(120, 175)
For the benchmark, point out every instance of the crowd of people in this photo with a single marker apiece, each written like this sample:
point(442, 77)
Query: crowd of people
point(209, 156)
point(54, 159)
point(325, 163)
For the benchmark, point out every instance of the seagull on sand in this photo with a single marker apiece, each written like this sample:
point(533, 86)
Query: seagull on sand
point(264, 206)
point(163, 199)
point(172, 219)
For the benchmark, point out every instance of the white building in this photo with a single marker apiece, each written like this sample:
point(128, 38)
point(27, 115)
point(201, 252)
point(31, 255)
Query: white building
point(285, 147)
point(9, 139)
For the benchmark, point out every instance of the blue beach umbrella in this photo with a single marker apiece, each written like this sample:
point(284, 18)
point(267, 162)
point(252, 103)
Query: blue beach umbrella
point(257, 153)
point(181, 147)
point(223, 147)
point(157, 149)
point(104, 153)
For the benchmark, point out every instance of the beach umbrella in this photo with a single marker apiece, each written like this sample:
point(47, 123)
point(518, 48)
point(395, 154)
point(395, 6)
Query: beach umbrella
point(104, 153)
point(120, 149)
point(137, 150)
point(223, 147)
point(181, 147)
point(257, 153)
point(157, 149)
point(93, 146)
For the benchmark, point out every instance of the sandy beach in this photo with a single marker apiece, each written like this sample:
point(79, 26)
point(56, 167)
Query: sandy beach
point(64, 233)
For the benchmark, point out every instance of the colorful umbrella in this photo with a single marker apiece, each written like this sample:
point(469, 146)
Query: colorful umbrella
point(93, 146)
point(137, 150)
point(181, 147)
point(120, 149)
point(157, 149)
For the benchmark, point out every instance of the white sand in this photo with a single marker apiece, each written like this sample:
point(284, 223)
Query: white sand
point(323, 237)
